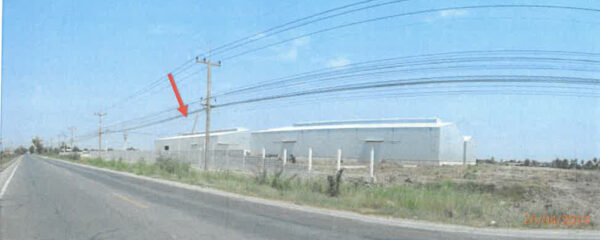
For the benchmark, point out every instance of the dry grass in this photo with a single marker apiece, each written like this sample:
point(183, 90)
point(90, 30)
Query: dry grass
point(532, 190)
point(484, 195)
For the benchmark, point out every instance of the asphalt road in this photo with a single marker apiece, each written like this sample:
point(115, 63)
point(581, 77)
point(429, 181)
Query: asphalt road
point(53, 200)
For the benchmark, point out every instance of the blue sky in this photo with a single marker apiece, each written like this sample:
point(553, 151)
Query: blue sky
point(64, 60)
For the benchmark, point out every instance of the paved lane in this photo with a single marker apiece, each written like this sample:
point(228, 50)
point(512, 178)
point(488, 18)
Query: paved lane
point(53, 200)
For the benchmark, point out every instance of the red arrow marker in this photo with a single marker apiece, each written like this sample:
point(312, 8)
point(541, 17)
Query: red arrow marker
point(182, 108)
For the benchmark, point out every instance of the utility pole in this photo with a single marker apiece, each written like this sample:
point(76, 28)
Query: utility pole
point(125, 140)
point(207, 107)
point(100, 115)
point(63, 136)
point(72, 129)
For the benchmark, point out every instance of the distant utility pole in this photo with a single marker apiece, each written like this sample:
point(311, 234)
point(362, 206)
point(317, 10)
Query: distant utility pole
point(125, 140)
point(63, 146)
point(72, 129)
point(100, 115)
point(207, 107)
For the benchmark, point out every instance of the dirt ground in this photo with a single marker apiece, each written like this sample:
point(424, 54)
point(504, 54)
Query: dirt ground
point(536, 190)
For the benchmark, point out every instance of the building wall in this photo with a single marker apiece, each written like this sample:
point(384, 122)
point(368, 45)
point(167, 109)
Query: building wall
point(451, 145)
point(425, 144)
point(392, 144)
point(189, 149)
point(470, 152)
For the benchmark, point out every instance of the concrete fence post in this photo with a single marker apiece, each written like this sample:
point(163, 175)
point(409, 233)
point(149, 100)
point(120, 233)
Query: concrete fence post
point(372, 164)
point(264, 157)
point(284, 156)
point(243, 159)
point(309, 159)
point(339, 159)
point(227, 163)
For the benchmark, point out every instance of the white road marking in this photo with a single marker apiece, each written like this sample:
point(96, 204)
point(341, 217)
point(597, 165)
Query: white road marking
point(9, 178)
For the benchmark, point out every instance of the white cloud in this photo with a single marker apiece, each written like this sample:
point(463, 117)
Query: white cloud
point(453, 13)
point(338, 62)
point(257, 36)
point(292, 52)
point(301, 41)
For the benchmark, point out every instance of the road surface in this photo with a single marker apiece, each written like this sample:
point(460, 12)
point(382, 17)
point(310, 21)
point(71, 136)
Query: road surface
point(48, 199)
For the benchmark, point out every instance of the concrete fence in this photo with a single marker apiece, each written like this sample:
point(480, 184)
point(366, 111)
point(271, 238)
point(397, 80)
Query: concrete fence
point(305, 165)
point(126, 156)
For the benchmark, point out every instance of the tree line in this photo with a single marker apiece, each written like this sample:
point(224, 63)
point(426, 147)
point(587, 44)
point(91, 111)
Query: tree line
point(591, 164)
point(38, 147)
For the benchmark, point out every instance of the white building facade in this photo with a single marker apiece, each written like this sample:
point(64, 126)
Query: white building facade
point(406, 141)
point(190, 148)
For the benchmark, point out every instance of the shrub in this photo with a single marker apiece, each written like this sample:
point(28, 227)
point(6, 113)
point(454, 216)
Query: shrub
point(74, 156)
point(166, 165)
point(333, 187)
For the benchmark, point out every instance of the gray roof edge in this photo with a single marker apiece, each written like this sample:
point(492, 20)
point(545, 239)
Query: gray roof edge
point(369, 121)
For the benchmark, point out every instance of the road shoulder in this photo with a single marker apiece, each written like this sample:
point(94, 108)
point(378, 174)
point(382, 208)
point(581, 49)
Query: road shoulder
point(6, 175)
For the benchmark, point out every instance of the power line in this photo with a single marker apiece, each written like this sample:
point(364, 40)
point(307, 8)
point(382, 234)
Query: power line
point(346, 72)
point(328, 76)
point(189, 63)
point(186, 65)
point(403, 15)
point(422, 81)
point(412, 82)
point(268, 33)
point(264, 32)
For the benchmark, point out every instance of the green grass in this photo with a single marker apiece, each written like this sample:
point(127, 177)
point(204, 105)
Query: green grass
point(448, 202)
point(5, 160)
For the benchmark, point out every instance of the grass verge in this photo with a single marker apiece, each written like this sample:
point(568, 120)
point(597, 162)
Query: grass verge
point(446, 201)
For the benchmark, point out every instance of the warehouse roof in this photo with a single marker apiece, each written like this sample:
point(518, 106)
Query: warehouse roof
point(370, 123)
point(212, 133)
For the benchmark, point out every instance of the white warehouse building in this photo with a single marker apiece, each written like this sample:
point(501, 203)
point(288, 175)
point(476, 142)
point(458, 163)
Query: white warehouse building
point(189, 148)
point(407, 141)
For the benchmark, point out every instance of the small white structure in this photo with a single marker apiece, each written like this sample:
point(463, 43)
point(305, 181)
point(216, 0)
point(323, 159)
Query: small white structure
point(189, 148)
point(408, 141)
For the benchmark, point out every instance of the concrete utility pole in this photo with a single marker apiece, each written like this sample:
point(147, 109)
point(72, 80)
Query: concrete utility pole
point(63, 136)
point(125, 140)
point(100, 115)
point(72, 129)
point(207, 107)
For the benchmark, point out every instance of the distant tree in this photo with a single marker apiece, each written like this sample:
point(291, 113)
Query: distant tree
point(20, 150)
point(131, 149)
point(31, 149)
point(589, 165)
point(63, 147)
point(555, 163)
point(76, 149)
point(526, 162)
point(573, 164)
point(37, 143)
point(564, 164)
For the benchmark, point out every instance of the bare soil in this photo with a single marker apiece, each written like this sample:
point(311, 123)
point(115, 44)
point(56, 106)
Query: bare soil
point(533, 190)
